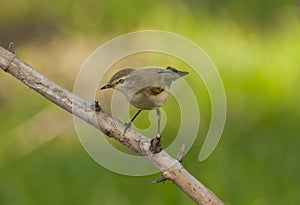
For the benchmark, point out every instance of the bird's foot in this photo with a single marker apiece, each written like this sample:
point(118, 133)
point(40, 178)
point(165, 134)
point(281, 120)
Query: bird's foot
point(96, 107)
point(128, 125)
point(155, 146)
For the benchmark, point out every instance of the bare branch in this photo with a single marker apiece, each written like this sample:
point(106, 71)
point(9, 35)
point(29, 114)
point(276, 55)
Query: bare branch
point(92, 113)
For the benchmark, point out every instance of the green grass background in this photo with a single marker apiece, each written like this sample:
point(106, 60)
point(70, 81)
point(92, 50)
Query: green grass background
point(255, 46)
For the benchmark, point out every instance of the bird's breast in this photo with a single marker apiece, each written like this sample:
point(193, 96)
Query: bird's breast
point(149, 98)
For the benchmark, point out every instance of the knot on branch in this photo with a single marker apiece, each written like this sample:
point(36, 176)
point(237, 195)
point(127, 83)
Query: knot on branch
point(10, 57)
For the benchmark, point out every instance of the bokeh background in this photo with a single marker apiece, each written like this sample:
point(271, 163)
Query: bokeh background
point(255, 46)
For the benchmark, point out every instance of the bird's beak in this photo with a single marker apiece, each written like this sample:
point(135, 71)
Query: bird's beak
point(108, 85)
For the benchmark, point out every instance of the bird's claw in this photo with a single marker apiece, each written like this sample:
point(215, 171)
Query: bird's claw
point(155, 146)
point(128, 125)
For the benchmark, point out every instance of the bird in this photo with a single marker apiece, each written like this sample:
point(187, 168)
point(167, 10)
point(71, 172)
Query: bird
point(145, 88)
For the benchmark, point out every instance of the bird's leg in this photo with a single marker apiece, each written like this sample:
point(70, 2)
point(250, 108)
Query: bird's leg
point(155, 146)
point(128, 125)
point(136, 114)
point(158, 123)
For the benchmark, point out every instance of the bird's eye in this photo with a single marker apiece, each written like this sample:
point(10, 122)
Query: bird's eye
point(121, 81)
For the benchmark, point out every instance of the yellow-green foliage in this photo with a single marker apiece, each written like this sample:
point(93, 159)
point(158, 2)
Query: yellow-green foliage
point(255, 47)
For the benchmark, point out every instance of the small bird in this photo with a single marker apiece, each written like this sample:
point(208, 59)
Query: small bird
point(146, 88)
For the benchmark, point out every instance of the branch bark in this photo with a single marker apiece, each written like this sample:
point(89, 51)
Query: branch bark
point(171, 168)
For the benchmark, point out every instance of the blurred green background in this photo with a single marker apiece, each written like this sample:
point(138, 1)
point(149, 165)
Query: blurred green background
point(255, 46)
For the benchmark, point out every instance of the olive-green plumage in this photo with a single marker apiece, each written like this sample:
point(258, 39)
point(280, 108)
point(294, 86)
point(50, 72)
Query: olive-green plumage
point(146, 88)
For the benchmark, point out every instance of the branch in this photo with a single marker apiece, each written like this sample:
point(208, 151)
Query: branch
point(92, 113)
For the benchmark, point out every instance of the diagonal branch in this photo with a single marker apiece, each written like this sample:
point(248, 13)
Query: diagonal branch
point(92, 113)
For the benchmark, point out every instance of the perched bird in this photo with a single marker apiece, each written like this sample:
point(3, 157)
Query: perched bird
point(146, 88)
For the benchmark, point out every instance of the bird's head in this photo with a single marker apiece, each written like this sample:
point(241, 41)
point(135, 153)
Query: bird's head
point(118, 78)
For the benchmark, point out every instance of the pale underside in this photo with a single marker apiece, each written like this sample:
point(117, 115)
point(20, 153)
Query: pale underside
point(149, 98)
